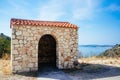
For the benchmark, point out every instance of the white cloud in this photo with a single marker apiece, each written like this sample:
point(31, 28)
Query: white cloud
point(52, 10)
point(72, 9)
point(86, 9)
point(82, 14)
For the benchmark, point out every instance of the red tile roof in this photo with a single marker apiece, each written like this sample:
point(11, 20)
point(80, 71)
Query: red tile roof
point(42, 23)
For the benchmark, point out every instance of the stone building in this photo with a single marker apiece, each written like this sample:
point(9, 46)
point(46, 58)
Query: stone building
point(35, 42)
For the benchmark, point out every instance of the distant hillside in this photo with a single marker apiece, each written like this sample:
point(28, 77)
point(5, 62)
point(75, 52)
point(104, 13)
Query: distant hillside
point(96, 45)
point(4, 36)
point(113, 52)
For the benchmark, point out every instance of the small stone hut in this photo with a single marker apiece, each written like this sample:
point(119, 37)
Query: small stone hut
point(35, 42)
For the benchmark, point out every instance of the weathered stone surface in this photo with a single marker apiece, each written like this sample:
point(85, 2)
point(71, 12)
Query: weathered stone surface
point(18, 58)
point(17, 67)
point(18, 33)
point(14, 41)
point(25, 41)
point(16, 45)
point(13, 36)
point(25, 33)
point(20, 41)
point(14, 52)
point(31, 65)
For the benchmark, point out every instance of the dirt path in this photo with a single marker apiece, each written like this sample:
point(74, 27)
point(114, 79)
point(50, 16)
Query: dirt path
point(93, 73)
point(52, 73)
point(87, 72)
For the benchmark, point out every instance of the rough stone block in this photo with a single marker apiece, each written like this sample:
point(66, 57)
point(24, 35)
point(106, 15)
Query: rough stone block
point(18, 33)
point(17, 67)
point(31, 65)
point(14, 52)
point(14, 41)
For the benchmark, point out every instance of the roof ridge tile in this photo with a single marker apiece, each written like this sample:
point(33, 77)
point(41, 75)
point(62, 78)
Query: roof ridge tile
point(15, 21)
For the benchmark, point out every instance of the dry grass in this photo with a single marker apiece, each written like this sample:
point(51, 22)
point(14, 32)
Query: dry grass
point(5, 72)
point(6, 57)
point(5, 67)
point(103, 60)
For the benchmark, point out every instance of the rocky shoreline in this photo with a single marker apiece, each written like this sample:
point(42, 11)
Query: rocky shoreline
point(112, 53)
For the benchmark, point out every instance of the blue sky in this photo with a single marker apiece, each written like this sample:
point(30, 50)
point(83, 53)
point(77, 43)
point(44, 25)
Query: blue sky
point(99, 20)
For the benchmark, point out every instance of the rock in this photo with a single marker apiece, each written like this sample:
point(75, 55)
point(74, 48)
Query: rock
point(18, 58)
point(13, 36)
point(113, 52)
point(14, 52)
point(18, 33)
point(14, 41)
point(17, 67)
point(31, 65)
point(20, 41)
point(76, 63)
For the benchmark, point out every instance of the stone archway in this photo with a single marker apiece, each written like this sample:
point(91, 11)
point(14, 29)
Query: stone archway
point(47, 50)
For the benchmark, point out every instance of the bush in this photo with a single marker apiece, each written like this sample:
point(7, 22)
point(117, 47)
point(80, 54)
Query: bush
point(5, 45)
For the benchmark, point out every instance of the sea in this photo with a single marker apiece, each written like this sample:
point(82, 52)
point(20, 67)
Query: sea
point(92, 50)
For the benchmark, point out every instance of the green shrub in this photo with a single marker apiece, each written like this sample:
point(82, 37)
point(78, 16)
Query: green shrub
point(5, 45)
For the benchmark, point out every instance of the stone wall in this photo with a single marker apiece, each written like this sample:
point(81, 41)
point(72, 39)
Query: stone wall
point(25, 40)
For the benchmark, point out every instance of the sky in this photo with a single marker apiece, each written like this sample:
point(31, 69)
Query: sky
point(98, 20)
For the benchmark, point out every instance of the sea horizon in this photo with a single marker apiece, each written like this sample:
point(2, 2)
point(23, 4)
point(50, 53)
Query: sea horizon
point(92, 50)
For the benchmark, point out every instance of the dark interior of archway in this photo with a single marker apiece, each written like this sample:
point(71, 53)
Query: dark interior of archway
point(46, 51)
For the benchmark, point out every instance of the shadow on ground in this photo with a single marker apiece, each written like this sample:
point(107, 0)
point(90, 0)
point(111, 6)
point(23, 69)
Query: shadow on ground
point(86, 72)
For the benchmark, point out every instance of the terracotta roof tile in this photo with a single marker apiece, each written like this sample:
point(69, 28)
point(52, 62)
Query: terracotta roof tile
point(42, 23)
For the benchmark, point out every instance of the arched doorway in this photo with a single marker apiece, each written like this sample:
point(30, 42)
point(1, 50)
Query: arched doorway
point(47, 51)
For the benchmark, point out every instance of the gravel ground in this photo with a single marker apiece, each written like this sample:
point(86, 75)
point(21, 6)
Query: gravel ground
point(89, 72)
point(100, 71)
point(95, 73)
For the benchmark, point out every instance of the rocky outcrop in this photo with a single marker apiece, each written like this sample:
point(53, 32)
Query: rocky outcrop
point(113, 52)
